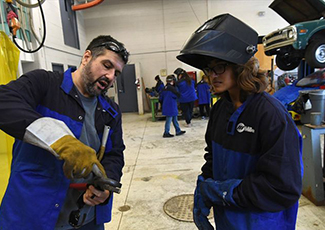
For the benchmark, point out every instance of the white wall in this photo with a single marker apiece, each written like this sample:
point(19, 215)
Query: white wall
point(247, 11)
point(154, 31)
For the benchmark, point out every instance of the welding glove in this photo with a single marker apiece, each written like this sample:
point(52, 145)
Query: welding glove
point(219, 192)
point(54, 136)
point(200, 210)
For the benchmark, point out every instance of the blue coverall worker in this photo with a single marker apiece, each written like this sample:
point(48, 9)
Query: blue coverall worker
point(186, 87)
point(169, 97)
point(204, 97)
point(252, 176)
point(43, 111)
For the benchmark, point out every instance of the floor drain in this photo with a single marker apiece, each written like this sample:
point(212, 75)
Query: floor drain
point(124, 208)
point(180, 208)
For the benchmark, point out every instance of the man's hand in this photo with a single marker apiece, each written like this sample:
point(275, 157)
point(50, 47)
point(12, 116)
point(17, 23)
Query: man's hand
point(94, 197)
point(78, 157)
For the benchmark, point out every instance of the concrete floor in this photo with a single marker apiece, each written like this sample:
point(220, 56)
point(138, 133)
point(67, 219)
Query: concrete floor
point(157, 169)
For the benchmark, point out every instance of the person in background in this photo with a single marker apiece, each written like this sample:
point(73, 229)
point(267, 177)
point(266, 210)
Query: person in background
point(204, 97)
point(159, 85)
point(158, 88)
point(58, 122)
point(186, 87)
point(169, 97)
point(252, 176)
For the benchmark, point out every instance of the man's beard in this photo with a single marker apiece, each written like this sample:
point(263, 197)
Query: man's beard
point(91, 87)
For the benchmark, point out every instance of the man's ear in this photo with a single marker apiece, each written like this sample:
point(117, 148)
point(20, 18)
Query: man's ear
point(86, 57)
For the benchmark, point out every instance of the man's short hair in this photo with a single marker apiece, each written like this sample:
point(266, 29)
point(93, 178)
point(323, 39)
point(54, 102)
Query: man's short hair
point(98, 45)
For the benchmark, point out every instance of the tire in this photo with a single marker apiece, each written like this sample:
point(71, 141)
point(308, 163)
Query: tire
point(286, 63)
point(315, 54)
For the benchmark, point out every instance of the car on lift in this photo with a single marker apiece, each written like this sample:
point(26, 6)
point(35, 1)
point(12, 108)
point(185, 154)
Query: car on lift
point(303, 39)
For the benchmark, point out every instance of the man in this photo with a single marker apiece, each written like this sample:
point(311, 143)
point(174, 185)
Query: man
point(58, 121)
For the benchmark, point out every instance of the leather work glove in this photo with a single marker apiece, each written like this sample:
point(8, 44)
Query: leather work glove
point(55, 136)
point(219, 192)
point(200, 210)
point(78, 157)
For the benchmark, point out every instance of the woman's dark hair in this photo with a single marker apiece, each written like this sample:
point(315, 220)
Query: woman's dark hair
point(186, 77)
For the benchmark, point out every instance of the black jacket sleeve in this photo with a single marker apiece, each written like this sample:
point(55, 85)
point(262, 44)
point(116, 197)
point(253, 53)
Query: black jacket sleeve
point(18, 100)
point(113, 161)
point(207, 171)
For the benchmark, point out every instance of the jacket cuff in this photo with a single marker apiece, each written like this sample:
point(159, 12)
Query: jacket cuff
point(45, 131)
point(219, 192)
point(108, 199)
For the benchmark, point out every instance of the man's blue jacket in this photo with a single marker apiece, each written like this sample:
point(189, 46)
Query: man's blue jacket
point(37, 186)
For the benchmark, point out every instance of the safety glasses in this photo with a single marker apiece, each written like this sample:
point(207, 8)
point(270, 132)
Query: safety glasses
point(112, 46)
point(217, 69)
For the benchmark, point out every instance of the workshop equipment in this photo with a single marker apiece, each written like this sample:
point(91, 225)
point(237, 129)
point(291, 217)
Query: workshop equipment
point(99, 181)
point(17, 22)
point(312, 182)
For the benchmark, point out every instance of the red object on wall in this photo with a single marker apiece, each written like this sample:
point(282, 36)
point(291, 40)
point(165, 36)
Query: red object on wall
point(86, 5)
point(192, 74)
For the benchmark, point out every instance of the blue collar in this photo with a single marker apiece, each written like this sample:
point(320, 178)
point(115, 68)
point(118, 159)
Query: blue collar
point(67, 82)
point(234, 117)
point(67, 85)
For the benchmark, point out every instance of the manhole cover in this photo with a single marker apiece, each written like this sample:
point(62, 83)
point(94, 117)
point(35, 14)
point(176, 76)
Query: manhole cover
point(180, 208)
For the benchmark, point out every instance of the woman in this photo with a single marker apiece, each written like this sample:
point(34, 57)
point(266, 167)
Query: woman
point(252, 176)
point(159, 85)
point(185, 86)
point(169, 97)
point(204, 95)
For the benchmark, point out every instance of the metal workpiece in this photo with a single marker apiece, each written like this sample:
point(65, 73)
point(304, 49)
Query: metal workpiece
point(312, 182)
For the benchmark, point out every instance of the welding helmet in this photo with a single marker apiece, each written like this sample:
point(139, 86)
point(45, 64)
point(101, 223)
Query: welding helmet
point(222, 37)
point(178, 71)
point(170, 78)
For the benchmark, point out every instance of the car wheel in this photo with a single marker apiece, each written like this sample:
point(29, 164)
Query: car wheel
point(285, 63)
point(315, 54)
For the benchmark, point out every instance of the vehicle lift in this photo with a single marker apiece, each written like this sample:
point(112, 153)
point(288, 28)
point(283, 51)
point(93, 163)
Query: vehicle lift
point(314, 173)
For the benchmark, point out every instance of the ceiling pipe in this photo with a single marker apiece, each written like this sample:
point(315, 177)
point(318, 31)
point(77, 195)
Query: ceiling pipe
point(86, 5)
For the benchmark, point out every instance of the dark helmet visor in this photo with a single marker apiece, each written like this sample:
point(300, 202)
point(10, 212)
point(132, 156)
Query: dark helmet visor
point(223, 37)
